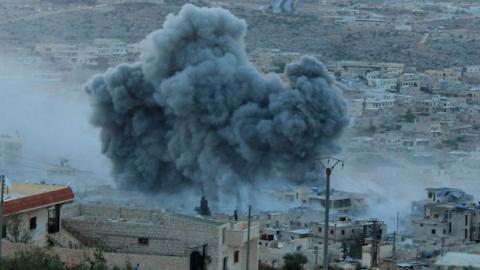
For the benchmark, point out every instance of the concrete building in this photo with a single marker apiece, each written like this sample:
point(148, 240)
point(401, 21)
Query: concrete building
point(409, 83)
point(457, 261)
point(472, 71)
point(102, 52)
point(384, 251)
point(376, 102)
point(194, 240)
point(403, 27)
point(448, 213)
point(345, 229)
point(32, 211)
point(472, 96)
point(362, 68)
point(340, 200)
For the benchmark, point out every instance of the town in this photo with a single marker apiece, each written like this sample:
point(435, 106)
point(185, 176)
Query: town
point(408, 195)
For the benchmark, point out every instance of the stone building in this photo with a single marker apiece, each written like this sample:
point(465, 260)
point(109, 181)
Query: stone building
point(346, 229)
point(341, 201)
point(195, 241)
point(448, 213)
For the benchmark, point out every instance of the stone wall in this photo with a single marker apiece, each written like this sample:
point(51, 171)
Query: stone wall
point(73, 257)
point(121, 230)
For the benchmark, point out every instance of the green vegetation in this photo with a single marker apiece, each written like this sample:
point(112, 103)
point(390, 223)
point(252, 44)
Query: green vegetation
point(40, 259)
point(291, 261)
point(294, 261)
point(262, 266)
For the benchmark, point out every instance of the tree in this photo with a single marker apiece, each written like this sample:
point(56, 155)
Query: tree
point(203, 209)
point(294, 261)
point(17, 230)
point(263, 266)
point(355, 246)
point(41, 259)
point(98, 262)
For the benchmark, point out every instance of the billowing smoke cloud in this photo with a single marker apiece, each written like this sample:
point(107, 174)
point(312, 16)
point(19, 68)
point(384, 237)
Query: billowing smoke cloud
point(195, 113)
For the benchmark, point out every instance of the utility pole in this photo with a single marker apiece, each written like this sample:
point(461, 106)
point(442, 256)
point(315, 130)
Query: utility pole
point(395, 237)
point(2, 180)
point(328, 173)
point(398, 215)
point(248, 236)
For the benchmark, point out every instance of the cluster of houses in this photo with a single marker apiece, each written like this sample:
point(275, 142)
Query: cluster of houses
point(445, 227)
point(99, 54)
point(398, 107)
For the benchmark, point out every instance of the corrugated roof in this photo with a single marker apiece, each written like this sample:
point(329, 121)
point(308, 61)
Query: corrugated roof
point(39, 200)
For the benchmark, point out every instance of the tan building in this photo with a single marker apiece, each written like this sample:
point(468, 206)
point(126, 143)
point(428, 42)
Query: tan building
point(194, 241)
point(346, 229)
point(339, 200)
point(448, 213)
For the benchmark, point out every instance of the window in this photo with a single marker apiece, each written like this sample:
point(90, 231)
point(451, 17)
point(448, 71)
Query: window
point(466, 233)
point(434, 231)
point(33, 223)
point(353, 230)
point(319, 229)
point(331, 231)
point(421, 224)
point(466, 220)
point(444, 231)
point(4, 231)
point(449, 227)
point(343, 232)
point(236, 256)
point(143, 241)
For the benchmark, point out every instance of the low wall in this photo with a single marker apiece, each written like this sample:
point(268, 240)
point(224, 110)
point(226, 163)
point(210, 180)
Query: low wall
point(73, 257)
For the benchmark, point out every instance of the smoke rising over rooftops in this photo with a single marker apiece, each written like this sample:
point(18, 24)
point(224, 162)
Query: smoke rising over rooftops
point(195, 113)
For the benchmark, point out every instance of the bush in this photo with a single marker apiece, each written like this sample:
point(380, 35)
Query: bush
point(38, 259)
point(294, 261)
point(32, 259)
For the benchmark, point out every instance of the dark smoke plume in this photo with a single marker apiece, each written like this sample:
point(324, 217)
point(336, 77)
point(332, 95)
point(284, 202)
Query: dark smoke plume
point(194, 112)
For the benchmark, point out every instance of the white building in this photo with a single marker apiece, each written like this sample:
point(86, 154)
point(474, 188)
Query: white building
point(32, 211)
point(457, 261)
point(101, 52)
